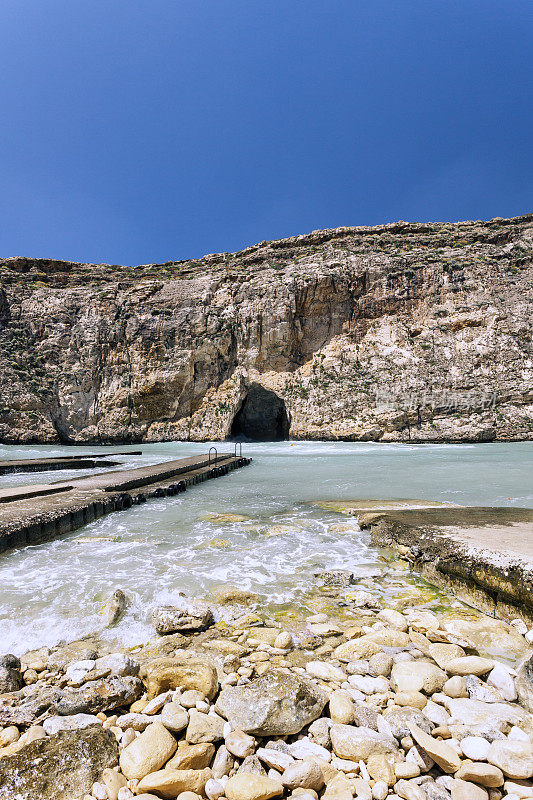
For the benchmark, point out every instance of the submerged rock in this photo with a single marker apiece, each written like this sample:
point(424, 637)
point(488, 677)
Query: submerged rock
point(277, 704)
point(115, 607)
point(58, 767)
point(186, 617)
point(339, 577)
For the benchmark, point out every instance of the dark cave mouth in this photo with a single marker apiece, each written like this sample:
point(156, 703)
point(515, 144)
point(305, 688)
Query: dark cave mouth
point(262, 417)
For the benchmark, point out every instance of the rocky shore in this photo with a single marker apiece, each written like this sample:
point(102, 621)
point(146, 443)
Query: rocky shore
point(407, 705)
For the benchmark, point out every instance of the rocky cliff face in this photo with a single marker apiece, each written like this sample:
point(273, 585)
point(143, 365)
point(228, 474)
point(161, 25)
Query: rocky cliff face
point(401, 332)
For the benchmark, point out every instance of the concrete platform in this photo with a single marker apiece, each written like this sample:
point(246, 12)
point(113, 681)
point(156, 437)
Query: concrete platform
point(483, 555)
point(32, 514)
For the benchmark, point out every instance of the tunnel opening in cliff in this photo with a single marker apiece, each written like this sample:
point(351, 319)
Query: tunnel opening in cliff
point(262, 417)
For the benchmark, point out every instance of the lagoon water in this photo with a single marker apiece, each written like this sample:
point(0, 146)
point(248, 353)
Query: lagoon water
point(256, 528)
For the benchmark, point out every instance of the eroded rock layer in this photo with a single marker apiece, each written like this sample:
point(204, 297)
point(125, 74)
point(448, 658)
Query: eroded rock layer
point(400, 332)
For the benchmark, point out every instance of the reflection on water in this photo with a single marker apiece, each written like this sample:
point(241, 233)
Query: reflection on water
point(253, 528)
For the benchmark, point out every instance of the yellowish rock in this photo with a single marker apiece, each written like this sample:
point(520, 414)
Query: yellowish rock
point(412, 699)
point(148, 752)
point(192, 756)
point(170, 673)
point(478, 772)
point(381, 768)
point(469, 665)
point(247, 786)
point(168, 783)
point(464, 790)
point(441, 753)
point(341, 707)
point(224, 519)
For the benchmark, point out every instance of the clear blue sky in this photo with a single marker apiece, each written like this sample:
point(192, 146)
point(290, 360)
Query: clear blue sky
point(148, 130)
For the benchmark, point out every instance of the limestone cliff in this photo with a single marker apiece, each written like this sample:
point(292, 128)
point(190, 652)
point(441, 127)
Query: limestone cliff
point(400, 332)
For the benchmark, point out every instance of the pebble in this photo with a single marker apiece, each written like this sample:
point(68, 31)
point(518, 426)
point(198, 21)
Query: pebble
point(484, 774)
point(469, 665)
point(475, 748)
point(303, 774)
point(324, 671)
point(514, 758)
point(190, 697)
point(174, 717)
point(239, 744)
point(252, 787)
point(455, 687)
point(341, 707)
point(283, 640)
point(501, 679)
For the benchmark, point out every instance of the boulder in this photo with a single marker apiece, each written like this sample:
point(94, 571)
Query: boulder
point(183, 617)
point(465, 790)
point(486, 634)
point(341, 707)
point(503, 681)
point(118, 664)
point(494, 716)
point(101, 695)
point(185, 673)
point(58, 767)
point(370, 644)
point(227, 595)
point(276, 704)
point(10, 675)
point(174, 717)
point(192, 756)
point(485, 774)
point(19, 708)
point(469, 665)
point(304, 775)
point(114, 608)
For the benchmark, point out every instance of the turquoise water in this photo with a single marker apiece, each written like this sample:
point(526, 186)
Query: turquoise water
point(55, 590)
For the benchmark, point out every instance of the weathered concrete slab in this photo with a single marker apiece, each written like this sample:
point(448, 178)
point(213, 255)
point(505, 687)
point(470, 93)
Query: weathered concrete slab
point(81, 461)
point(484, 555)
point(33, 490)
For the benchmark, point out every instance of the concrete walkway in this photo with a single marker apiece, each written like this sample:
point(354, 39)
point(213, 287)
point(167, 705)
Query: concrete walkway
point(35, 513)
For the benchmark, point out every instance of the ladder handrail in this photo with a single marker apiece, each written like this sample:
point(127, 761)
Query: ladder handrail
point(240, 449)
point(209, 456)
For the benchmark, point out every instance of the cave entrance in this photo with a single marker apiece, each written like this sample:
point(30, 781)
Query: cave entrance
point(261, 417)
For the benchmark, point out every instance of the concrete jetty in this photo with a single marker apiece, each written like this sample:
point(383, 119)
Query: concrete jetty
point(82, 461)
point(40, 512)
